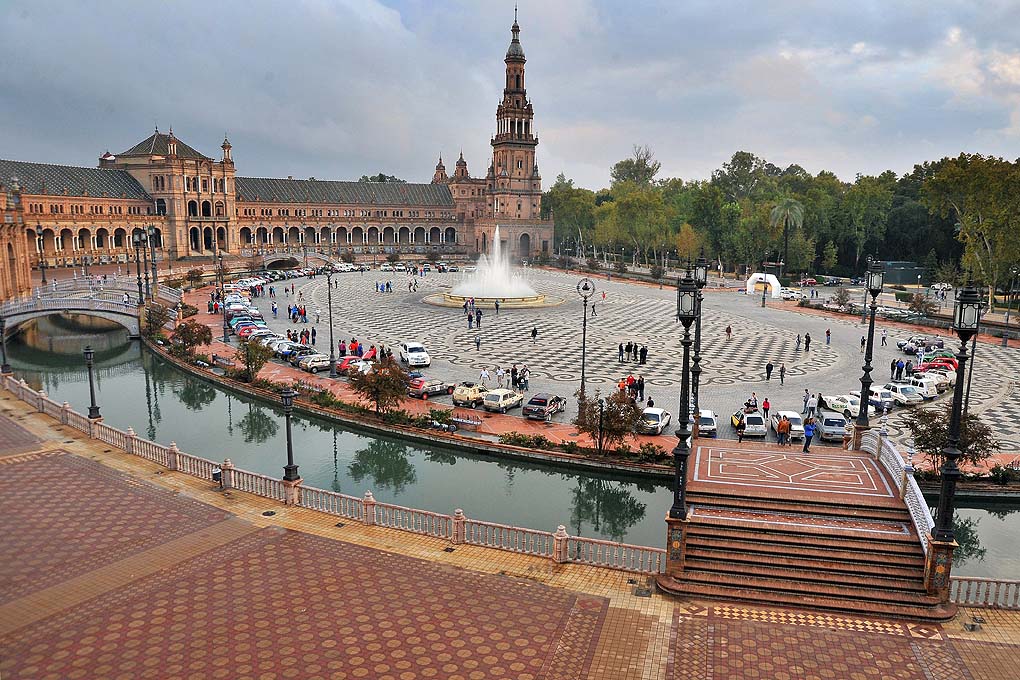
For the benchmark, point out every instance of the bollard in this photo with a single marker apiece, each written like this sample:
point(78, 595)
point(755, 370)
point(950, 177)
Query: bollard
point(560, 545)
point(368, 505)
point(228, 474)
point(65, 411)
point(172, 461)
point(129, 440)
point(459, 526)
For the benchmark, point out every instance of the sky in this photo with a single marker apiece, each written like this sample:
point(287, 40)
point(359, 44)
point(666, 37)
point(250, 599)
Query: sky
point(340, 88)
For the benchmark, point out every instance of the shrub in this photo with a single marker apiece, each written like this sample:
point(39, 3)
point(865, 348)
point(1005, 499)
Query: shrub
point(657, 271)
point(903, 297)
point(592, 264)
point(325, 399)
point(194, 276)
point(441, 415)
point(515, 439)
point(393, 258)
point(921, 304)
point(623, 450)
point(570, 447)
point(540, 441)
point(652, 453)
point(188, 310)
point(620, 267)
point(1003, 475)
point(397, 416)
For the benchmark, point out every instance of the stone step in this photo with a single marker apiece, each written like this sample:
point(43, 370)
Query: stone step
point(786, 523)
point(747, 558)
point(778, 569)
point(804, 543)
point(923, 609)
point(806, 506)
point(806, 588)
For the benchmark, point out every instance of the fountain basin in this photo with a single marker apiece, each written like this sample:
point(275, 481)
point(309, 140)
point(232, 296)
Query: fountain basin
point(530, 301)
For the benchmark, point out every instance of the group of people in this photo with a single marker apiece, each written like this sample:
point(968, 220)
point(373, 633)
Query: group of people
point(517, 379)
point(474, 314)
point(386, 287)
point(305, 337)
point(898, 368)
point(633, 387)
point(633, 352)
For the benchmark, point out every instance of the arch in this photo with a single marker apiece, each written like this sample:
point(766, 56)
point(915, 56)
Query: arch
point(342, 235)
point(65, 240)
point(450, 236)
point(435, 235)
point(192, 208)
point(524, 247)
point(160, 206)
point(221, 238)
point(277, 236)
point(219, 209)
point(485, 242)
point(419, 235)
point(195, 239)
point(310, 235)
point(157, 238)
point(245, 235)
point(357, 236)
point(404, 235)
point(12, 266)
point(388, 236)
point(207, 238)
point(85, 239)
point(293, 235)
point(326, 235)
point(119, 238)
point(262, 235)
point(125, 315)
point(206, 209)
point(769, 280)
point(102, 238)
point(373, 235)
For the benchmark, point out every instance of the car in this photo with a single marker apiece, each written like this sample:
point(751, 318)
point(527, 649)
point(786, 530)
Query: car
point(808, 282)
point(939, 353)
point(294, 357)
point(269, 340)
point(880, 398)
point(245, 332)
point(543, 406)
point(708, 423)
point(453, 268)
point(847, 404)
point(360, 366)
point(261, 334)
point(414, 354)
point(904, 395)
point(939, 287)
point(946, 372)
point(426, 387)
point(789, 294)
point(314, 363)
point(833, 281)
point(400, 267)
point(502, 399)
point(754, 422)
point(302, 363)
point(927, 386)
point(469, 394)
point(796, 424)
point(652, 421)
point(857, 281)
point(947, 363)
point(830, 426)
point(283, 348)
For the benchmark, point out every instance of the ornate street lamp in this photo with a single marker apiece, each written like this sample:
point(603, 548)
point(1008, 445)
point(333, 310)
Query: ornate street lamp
point(90, 355)
point(144, 241)
point(873, 284)
point(5, 368)
point(765, 285)
point(223, 299)
point(585, 288)
point(42, 252)
point(136, 241)
point(290, 469)
point(864, 305)
point(966, 320)
point(329, 304)
point(700, 281)
point(150, 231)
point(1013, 271)
point(686, 311)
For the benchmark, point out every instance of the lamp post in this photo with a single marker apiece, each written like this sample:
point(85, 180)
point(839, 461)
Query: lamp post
point(329, 304)
point(864, 306)
point(150, 230)
point(290, 469)
point(873, 284)
point(765, 284)
point(223, 296)
point(585, 288)
point(966, 319)
point(136, 241)
point(602, 415)
point(90, 355)
point(1013, 271)
point(982, 308)
point(42, 253)
point(687, 302)
point(144, 239)
point(700, 280)
point(5, 368)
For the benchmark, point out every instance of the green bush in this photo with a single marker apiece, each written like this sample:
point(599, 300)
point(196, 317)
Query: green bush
point(652, 453)
point(1003, 475)
point(393, 417)
point(903, 297)
point(623, 450)
point(441, 415)
point(324, 399)
point(570, 447)
point(188, 310)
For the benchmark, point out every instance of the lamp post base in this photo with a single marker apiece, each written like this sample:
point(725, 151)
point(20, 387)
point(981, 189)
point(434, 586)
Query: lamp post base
point(5, 369)
point(858, 435)
point(94, 413)
point(938, 567)
point(291, 490)
point(676, 545)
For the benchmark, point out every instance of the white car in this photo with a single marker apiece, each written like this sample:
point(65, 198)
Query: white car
point(754, 423)
point(653, 421)
point(847, 404)
point(386, 267)
point(796, 424)
point(904, 395)
point(414, 354)
point(790, 294)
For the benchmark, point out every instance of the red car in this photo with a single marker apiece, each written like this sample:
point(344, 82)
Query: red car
point(939, 362)
point(345, 363)
point(808, 282)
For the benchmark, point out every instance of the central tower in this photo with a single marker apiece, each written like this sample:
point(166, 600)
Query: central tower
point(514, 185)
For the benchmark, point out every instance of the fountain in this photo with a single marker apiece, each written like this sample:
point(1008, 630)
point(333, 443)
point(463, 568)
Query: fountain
point(494, 280)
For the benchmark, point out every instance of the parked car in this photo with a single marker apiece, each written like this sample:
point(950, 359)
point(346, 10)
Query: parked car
point(879, 397)
point(939, 287)
point(502, 399)
point(345, 363)
point(544, 406)
point(386, 267)
point(857, 281)
point(830, 426)
point(946, 372)
point(315, 363)
point(653, 421)
point(754, 423)
point(796, 424)
point(904, 395)
point(469, 394)
point(808, 282)
point(927, 386)
point(284, 348)
point(847, 404)
point(303, 362)
point(833, 281)
point(300, 352)
point(414, 354)
point(789, 294)
point(426, 387)
point(948, 363)
point(708, 423)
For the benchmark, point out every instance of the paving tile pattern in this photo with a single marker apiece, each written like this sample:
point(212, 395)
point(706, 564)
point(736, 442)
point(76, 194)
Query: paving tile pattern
point(281, 604)
point(14, 438)
point(70, 515)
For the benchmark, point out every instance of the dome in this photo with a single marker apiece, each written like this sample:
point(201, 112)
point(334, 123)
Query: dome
point(515, 51)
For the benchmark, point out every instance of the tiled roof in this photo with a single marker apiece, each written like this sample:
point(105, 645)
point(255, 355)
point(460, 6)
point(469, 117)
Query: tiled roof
point(37, 178)
point(328, 191)
point(157, 145)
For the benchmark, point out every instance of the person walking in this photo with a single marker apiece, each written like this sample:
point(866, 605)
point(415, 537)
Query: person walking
point(514, 376)
point(807, 342)
point(500, 376)
point(798, 342)
point(534, 334)
point(885, 337)
point(809, 434)
point(313, 336)
point(864, 341)
point(496, 305)
point(729, 333)
point(828, 336)
point(525, 377)
point(478, 317)
point(641, 388)
point(765, 406)
point(621, 352)
point(782, 374)
point(471, 321)
point(782, 430)
point(275, 309)
point(644, 354)
point(741, 427)
point(812, 405)
point(483, 377)
point(807, 398)
point(634, 352)
point(768, 370)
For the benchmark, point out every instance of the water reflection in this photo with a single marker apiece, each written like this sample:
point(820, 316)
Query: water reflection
point(385, 463)
point(258, 425)
point(609, 507)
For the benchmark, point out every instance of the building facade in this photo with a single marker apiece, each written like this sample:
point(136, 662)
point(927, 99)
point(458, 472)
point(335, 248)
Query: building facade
point(198, 207)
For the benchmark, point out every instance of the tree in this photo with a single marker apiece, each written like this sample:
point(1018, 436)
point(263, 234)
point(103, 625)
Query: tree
point(385, 385)
point(194, 276)
point(381, 177)
point(608, 423)
point(641, 169)
point(829, 256)
point(745, 176)
point(156, 316)
point(922, 304)
point(189, 335)
point(930, 429)
point(841, 298)
point(868, 202)
point(946, 272)
point(688, 242)
point(572, 208)
point(788, 214)
point(253, 356)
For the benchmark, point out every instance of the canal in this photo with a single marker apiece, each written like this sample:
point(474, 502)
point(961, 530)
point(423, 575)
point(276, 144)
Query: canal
point(162, 403)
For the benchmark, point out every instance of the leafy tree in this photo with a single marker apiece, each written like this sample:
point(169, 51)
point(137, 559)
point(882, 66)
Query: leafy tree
point(829, 256)
point(930, 429)
point(788, 214)
point(801, 254)
point(688, 242)
point(253, 356)
point(608, 423)
point(347, 257)
point(641, 169)
point(385, 385)
point(922, 304)
point(381, 177)
point(868, 203)
point(156, 316)
point(841, 298)
point(745, 176)
point(946, 272)
point(572, 208)
point(194, 276)
point(189, 335)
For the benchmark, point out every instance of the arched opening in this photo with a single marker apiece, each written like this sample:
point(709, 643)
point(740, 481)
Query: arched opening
point(119, 238)
point(207, 238)
point(342, 237)
point(219, 209)
point(326, 235)
point(49, 241)
point(419, 235)
point(206, 209)
point(195, 239)
point(85, 239)
point(12, 266)
point(65, 241)
point(102, 238)
point(278, 235)
point(388, 236)
point(262, 235)
point(221, 238)
point(294, 235)
point(192, 208)
point(160, 206)
point(451, 235)
point(310, 235)
point(245, 236)
point(435, 235)
point(157, 238)
point(404, 235)
point(357, 236)
point(485, 243)
point(525, 246)
point(373, 235)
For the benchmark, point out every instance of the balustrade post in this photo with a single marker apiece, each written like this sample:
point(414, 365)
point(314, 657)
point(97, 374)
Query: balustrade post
point(459, 526)
point(291, 491)
point(938, 567)
point(65, 411)
point(368, 503)
point(129, 440)
point(228, 474)
point(172, 461)
point(908, 474)
point(41, 401)
point(561, 545)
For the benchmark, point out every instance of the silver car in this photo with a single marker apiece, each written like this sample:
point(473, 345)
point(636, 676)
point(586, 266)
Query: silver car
point(830, 426)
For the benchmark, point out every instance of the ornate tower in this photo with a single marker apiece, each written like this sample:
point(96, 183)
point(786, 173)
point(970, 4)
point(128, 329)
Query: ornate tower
point(515, 186)
point(440, 175)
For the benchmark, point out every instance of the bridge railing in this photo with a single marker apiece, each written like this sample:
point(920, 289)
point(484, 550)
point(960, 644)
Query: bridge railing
point(15, 307)
point(874, 442)
point(971, 591)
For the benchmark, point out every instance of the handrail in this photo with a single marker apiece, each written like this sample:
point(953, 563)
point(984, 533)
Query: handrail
point(15, 307)
point(260, 485)
point(414, 520)
point(903, 476)
point(621, 556)
point(505, 537)
point(972, 591)
point(331, 502)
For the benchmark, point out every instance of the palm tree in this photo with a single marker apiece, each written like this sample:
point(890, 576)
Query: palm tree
point(790, 213)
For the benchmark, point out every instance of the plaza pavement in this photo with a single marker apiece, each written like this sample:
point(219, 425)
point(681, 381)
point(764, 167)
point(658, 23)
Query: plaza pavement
point(113, 567)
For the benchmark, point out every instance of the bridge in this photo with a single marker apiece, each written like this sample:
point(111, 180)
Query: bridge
point(284, 255)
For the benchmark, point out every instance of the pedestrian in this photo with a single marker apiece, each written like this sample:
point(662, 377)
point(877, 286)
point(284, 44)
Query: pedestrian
point(798, 342)
point(641, 388)
point(828, 336)
point(807, 398)
point(741, 427)
point(628, 348)
point(651, 404)
point(765, 406)
point(534, 333)
point(644, 353)
point(807, 342)
point(809, 434)
point(313, 335)
point(496, 305)
point(864, 341)
point(478, 343)
point(634, 352)
point(768, 370)
point(478, 318)
point(885, 337)
point(471, 320)
point(812, 405)
point(525, 377)
point(342, 347)
point(500, 376)
point(275, 309)
point(483, 377)
point(621, 347)
point(514, 376)
point(729, 333)
point(892, 369)
point(779, 431)
point(782, 374)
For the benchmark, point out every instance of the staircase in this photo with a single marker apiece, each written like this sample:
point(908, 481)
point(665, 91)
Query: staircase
point(817, 554)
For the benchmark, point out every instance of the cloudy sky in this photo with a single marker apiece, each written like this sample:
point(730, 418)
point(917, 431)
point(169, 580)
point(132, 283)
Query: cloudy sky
point(341, 88)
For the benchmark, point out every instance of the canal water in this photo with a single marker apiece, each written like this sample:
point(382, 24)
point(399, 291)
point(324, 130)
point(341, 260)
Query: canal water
point(162, 403)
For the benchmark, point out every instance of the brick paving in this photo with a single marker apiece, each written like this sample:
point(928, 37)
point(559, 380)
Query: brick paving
point(15, 439)
point(294, 595)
